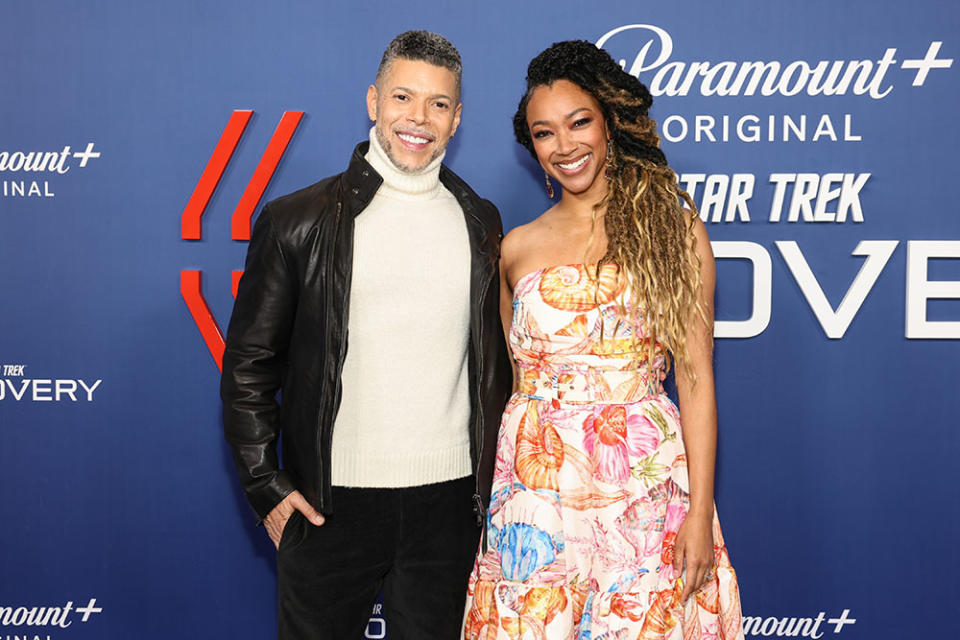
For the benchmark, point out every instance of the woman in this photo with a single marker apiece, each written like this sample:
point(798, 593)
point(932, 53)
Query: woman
point(601, 522)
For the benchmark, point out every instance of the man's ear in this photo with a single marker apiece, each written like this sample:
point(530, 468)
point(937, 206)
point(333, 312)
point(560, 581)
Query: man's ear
point(456, 118)
point(372, 102)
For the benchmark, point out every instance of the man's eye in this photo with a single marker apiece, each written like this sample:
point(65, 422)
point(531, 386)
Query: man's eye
point(400, 97)
point(442, 105)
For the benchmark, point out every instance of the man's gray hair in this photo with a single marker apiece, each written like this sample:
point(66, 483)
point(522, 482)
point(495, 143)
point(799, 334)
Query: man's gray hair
point(425, 46)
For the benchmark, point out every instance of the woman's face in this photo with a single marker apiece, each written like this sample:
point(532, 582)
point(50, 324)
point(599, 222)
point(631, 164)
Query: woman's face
point(569, 136)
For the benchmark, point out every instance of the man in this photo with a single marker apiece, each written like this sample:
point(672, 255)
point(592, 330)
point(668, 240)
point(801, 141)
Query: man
point(370, 300)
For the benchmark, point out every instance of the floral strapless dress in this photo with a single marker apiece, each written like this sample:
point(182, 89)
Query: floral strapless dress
point(590, 485)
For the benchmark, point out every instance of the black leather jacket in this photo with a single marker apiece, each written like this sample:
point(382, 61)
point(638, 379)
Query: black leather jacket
point(288, 333)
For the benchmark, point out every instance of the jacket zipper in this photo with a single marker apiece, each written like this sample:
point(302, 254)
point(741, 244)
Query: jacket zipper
point(336, 399)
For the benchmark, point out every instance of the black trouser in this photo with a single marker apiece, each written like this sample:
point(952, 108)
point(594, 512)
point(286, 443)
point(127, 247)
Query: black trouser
point(416, 543)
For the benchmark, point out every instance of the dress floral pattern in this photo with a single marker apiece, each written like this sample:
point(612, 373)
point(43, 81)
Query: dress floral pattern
point(590, 485)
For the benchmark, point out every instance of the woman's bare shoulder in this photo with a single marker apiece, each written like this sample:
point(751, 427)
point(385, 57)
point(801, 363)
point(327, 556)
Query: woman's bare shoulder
point(518, 245)
point(520, 237)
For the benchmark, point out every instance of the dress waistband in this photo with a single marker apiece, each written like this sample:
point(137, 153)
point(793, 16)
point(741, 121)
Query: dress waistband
point(584, 384)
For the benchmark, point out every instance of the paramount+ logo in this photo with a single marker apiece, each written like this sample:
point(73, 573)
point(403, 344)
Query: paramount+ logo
point(29, 622)
point(191, 221)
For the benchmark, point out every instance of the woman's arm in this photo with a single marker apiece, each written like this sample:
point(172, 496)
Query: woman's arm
point(698, 412)
point(506, 297)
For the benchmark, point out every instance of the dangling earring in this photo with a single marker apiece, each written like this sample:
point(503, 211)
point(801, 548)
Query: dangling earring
point(546, 177)
point(608, 170)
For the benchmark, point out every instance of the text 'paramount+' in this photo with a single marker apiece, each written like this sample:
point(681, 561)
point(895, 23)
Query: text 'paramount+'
point(871, 77)
point(56, 616)
point(865, 76)
point(794, 627)
point(38, 163)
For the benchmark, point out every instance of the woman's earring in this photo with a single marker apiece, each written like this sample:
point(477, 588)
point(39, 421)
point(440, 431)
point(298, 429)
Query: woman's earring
point(546, 176)
point(608, 170)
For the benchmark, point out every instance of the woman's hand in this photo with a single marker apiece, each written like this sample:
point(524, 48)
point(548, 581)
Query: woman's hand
point(694, 549)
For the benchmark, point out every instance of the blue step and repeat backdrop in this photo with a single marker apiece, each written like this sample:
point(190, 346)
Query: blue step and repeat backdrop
point(137, 139)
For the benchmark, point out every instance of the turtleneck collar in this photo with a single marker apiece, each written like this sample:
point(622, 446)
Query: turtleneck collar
point(421, 185)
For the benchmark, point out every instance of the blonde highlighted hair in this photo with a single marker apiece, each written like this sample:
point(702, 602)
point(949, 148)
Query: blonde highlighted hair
point(650, 234)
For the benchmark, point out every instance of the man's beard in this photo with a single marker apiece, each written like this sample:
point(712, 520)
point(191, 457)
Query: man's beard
point(385, 144)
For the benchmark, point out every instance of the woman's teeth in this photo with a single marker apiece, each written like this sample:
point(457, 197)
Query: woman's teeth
point(574, 165)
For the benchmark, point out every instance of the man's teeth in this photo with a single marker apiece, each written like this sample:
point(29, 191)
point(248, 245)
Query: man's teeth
point(574, 165)
point(413, 139)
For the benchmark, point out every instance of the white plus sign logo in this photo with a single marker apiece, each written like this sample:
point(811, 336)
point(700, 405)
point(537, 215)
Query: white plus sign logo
point(90, 609)
point(839, 623)
point(86, 155)
point(928, 62)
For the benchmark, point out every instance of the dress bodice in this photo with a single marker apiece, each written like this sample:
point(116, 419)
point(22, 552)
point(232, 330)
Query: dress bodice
point(570, 332)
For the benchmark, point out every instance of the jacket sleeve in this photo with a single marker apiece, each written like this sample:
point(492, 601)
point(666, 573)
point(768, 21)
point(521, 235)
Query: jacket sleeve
point(497, 221)
point(253, 367)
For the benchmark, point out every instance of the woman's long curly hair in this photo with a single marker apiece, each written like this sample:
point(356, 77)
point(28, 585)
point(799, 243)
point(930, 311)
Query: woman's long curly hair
point(649, 232)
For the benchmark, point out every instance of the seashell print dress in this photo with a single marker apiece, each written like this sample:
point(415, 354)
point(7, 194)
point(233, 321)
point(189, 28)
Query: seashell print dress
point(590, 485)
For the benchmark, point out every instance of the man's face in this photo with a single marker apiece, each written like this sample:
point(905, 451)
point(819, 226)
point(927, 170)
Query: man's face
point(416, 110)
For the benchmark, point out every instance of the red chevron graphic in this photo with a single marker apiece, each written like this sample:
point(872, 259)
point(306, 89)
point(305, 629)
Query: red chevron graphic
point(190, 289)
point(240, 222)
point(191, 227)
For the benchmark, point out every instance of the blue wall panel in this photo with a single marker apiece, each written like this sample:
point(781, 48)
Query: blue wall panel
point(836, 480)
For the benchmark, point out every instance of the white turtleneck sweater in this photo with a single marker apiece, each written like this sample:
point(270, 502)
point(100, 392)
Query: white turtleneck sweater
point(404, 415)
